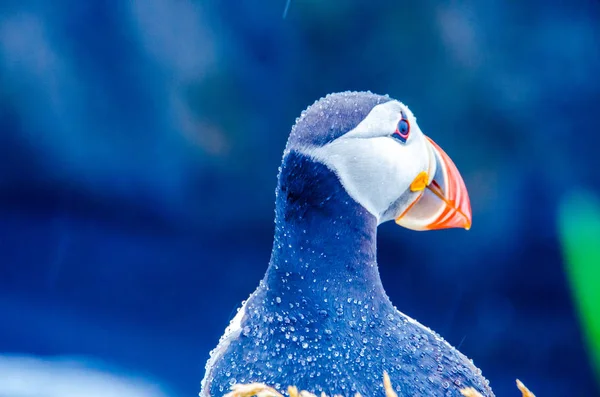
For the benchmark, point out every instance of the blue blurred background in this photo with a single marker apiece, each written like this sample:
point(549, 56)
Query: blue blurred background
point(139, 146)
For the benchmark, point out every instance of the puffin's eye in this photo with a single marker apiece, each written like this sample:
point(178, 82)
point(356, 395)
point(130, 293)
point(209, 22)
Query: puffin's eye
point(402, 130)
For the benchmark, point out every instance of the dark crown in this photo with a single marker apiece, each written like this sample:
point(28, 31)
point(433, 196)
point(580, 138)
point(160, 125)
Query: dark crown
point(331, 117)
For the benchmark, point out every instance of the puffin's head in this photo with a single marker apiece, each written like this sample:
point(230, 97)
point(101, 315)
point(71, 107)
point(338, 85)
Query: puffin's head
point(383, 160)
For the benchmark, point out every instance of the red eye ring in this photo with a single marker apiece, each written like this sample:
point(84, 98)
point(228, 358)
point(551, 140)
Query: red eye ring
point(402, 130)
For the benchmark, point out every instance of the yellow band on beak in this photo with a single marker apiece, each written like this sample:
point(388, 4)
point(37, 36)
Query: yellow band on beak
point(420, 182)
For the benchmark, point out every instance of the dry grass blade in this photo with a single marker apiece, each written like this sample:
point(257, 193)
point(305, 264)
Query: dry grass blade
point(262, 390)
point(252, 389)
point(387, 384)
point(524, 390)
point(293, 391)
point(470, 392)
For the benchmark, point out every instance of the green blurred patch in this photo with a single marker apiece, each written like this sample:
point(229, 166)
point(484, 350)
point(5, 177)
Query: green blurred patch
point(579, 229)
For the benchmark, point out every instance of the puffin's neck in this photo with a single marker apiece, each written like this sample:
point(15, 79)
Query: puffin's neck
point(325, 242)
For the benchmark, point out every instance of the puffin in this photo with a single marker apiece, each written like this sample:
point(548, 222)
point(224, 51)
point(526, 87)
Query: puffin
point(320, 318)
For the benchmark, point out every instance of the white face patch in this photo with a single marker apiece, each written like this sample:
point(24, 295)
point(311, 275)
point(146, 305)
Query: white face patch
point(375, 169)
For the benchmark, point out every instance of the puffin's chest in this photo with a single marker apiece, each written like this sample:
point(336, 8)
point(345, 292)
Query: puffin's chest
point(337, 346)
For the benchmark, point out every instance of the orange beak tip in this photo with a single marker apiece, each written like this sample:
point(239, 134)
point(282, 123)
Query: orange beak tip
point(450, 208)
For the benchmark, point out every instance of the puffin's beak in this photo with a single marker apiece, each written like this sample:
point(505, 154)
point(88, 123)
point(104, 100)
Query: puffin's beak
point(443, 200)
